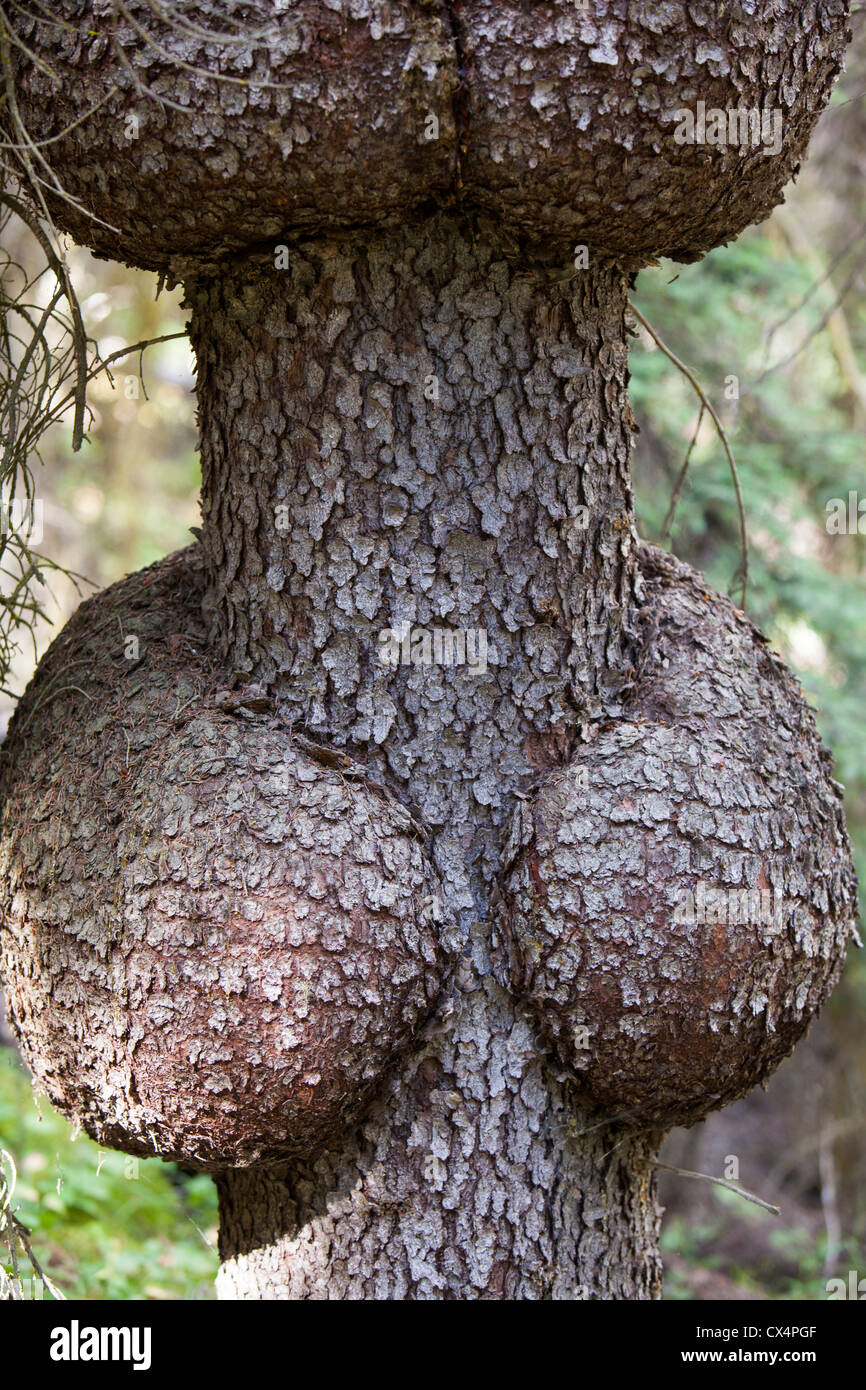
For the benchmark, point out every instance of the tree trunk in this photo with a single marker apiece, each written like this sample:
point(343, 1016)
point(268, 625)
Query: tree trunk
point(419, 549)
point(416, 433)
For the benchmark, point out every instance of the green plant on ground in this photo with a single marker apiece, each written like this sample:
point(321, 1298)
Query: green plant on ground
point(102, 1225)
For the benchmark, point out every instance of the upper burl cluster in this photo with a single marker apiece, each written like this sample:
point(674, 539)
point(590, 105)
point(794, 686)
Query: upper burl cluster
point(169, 133)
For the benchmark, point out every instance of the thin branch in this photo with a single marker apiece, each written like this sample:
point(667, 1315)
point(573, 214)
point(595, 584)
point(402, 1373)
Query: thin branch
point(10, 406)
point(722, 1182)
point(102, 364)
point(30, 149)
point(176, 21)
point(177, 62)
point(61, 134)
point(15, 1233)
point(678, 486)
point(826, 274)
point(79, 337)
point(833, 319)
point(720, 429)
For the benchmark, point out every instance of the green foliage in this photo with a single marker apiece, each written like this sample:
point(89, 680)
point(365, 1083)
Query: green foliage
point(103, 1226)
point(797, 445)
point(786, 1263)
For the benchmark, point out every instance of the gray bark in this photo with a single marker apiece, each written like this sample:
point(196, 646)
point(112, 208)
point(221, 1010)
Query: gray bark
point(463, 514)
point(558, 121)
point(424, 425)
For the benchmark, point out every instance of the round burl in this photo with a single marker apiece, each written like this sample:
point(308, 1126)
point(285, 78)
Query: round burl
point(185, 131)
point(210, 127)
point(226, 938)
point(678, 899)
point(580, 115)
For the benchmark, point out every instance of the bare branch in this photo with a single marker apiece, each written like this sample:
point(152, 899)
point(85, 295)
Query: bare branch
point(711, 411)
point(722, 1182)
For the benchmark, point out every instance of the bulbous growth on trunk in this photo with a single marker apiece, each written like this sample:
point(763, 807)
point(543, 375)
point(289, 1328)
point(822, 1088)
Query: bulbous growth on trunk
point(644, 129)
point(229, 937)
point(678, 900)
point(639, 129)
point(195, 146)
point(414, 425)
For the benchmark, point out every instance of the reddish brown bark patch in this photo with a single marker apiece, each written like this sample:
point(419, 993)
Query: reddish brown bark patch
point(221, 945)
point(679, 899)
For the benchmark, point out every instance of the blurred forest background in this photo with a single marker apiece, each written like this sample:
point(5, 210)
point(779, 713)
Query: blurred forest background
point(783, 311)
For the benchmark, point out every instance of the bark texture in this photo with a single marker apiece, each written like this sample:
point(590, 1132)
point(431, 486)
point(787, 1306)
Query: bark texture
point(414, 429)
point(557, 119)
point(572, 111)
point(680, 898)
point(216, 938)
point(503, 1197)
point(299, 116)
point(419, 432)
point(471, 1175)
point(504, 505)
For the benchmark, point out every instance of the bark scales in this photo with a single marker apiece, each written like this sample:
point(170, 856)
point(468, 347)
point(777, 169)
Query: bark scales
point(416, 430)
point(215, 943)
point(428, 427)
point(505, 505)
point(679, 899)
point(558, 120)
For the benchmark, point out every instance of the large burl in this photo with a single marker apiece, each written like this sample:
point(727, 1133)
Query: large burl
point(679, 898)
point(420, 959)
point(235, 936)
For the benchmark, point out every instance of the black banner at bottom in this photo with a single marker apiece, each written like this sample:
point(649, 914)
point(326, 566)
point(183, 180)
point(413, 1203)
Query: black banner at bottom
point(205, 1339)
